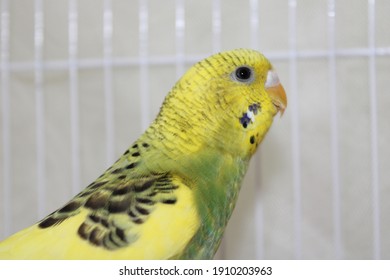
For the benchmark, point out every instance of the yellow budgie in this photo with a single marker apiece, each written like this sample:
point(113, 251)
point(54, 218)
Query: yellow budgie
point(171, 194)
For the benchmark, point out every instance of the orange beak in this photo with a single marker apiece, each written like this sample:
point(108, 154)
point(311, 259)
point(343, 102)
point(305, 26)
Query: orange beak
point(276, 91)
point(278, 97)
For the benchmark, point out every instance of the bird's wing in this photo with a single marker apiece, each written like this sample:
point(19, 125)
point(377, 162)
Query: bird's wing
point(148, 217)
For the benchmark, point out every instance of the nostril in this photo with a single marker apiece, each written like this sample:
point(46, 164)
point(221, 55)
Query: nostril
point(272, 79)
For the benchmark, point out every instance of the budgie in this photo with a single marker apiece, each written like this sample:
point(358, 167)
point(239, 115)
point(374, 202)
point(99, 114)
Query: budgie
point(172, 192)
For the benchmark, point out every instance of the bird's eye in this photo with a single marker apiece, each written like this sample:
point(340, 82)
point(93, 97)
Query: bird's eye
point(243, 74)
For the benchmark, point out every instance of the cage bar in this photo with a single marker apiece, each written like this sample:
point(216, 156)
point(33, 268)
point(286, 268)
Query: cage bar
point(216, 25)
point(108, 94)
point(295, 132)
point(5, 109)
point(254, 23)
point(74, 94)
point(179, 37)
point(118, 62)
point(39, 107)
point(144, 62)
point(334, 132)
point(258, 207)
point(374, 132)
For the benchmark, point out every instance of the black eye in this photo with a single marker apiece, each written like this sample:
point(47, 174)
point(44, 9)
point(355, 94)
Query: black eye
point(243, 74)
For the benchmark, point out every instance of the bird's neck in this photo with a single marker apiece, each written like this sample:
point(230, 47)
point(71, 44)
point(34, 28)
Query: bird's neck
point(218, 184)
point(212, 173)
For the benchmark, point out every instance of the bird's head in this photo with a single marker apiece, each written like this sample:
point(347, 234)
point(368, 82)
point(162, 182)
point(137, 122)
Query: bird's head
point(227, 101)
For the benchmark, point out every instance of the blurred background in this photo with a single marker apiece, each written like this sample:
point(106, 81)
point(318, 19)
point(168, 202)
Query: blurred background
point(81, 80)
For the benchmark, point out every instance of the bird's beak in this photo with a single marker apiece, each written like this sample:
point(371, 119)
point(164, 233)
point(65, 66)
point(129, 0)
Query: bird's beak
point(276, 91)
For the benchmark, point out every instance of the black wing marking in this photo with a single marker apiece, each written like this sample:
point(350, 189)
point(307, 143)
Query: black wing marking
point(115, 208)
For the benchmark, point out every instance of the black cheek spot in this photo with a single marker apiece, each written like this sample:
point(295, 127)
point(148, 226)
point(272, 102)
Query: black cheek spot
point(254, 108)
point(136, 154)
point(145, 145)
point(244, 120)
point(122, 177)
point(252, 139)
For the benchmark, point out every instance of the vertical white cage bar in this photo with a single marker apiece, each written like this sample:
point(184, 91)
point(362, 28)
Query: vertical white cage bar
point(216, 47)
point(74, 94)
point(295, 133)
point(258, 207)
point(254, 23)
point(6, 129)
point(108, 93)
point(39, 106)
point(374, 131)
point(334, 131)
point(216, 26)
point(144, 62)
point(179, 36)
